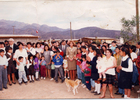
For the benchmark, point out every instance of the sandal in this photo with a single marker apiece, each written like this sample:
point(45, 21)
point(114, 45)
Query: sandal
point(14, 82)
point(101, 97)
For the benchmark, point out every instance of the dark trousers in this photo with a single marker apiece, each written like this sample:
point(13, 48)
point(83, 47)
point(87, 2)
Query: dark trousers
point(88, 83)
point(3, 77)
point(43, 71)
point(52, 73)
point(60, 69)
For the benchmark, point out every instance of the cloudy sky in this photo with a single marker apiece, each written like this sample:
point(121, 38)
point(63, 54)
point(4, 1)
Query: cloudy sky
point(82, 13)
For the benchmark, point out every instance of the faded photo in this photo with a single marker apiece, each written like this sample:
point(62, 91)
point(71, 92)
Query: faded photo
point(69, 49)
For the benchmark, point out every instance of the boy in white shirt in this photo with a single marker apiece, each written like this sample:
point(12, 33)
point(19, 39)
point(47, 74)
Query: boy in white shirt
point(21, 71)
point(3, 70)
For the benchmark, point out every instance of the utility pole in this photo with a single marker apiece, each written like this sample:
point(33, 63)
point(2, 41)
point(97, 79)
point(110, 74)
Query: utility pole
point(13, 29)
point(70, 31)
point(137, 19)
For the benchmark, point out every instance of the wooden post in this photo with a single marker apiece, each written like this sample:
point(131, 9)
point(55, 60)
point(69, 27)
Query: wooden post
point(70, 31)
point(13, 29)
point(137, 19)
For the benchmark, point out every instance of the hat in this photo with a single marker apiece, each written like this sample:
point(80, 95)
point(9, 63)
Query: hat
point(11, 39)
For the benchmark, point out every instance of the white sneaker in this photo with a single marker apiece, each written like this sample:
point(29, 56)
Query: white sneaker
point(41, 77)
point(84, 86)
point(65, 77)
point(68, 77)
point(138, 91)
point(51, 79)
point(44, 78)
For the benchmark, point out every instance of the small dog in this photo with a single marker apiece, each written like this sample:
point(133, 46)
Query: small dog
point(73, 84)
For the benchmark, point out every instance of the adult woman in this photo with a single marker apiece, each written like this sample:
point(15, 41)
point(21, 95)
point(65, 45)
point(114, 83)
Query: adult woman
point(21, 52)
point(125, 80)
point(104, 49)
point(47, 55)
point(110, 62)
point(38, 49)
point(71, 55)
point(118, 59)
point(94, 70)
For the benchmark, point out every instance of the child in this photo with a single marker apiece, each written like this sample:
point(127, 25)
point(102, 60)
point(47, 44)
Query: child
point(30, 67)
point(58, 61)
point(83, 66)
point(21, 71)
point(10, 67)
point(3, 70)
point(78, 58)
point(36, 66)
point(65, 66)
point(84, 51)
point(43, 67)
point(101, 68)
point(87, 73)
point(52, 70)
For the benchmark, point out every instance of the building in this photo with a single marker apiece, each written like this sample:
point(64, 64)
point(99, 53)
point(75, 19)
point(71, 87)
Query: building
point(22, 38)
point(99, 39)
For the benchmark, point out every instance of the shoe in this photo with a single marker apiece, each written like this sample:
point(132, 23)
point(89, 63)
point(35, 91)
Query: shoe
point(62, 81)
point(97, 93)
point(138, 91)
point(65, 77)
point(10, 84)
point(44, 78)
point(20, 83)
point(25, 83)
point(51, 79)
point(104, 79)
point(117, 93)
point(68, 77)
point(5, 87)
point(14, 82)
point(41, 77)
point(56, 81)
point(32, 80)
point(99, 79)
point(37, 79)
point(93, 91)
point(123, 96)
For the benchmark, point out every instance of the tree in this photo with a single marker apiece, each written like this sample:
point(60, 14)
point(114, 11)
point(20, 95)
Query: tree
point(128, 31)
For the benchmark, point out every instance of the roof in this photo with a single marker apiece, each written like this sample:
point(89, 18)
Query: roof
point(18, 36)
point(99, 37)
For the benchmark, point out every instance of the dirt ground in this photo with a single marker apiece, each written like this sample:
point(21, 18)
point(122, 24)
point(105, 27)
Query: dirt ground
point(46, 89)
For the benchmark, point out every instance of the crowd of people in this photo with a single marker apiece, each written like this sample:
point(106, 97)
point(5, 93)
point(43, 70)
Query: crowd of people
point(96, 65)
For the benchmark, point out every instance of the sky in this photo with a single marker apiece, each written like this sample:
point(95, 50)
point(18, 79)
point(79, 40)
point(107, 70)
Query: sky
point(104, 14)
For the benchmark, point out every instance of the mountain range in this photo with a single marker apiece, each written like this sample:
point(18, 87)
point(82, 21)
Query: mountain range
point(45, 31)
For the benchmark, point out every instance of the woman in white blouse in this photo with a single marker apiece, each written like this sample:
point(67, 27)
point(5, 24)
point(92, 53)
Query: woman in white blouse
point(38, 48)
point(110, 63)
point(126, 69)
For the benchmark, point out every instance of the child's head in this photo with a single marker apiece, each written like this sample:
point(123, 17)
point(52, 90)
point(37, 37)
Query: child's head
point(57, 52)
point(9, 49)
point(31, 57)
point(87, 63)
point(1, 52)
point(43, 58)
point(78, 51)
point(99, 56)
point(83, 48)
point(37, 55)
point(52, 62)
point(65, 57)
point(83, 57)
point(20, 58)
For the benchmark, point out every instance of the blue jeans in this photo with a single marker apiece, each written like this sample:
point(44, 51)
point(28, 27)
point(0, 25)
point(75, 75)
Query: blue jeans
point(92, 82)
point(83, 79)
point(79, 73)
point(120, 90)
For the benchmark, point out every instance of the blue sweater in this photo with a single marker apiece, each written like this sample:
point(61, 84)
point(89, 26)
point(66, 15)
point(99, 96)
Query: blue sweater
point(58, 61)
